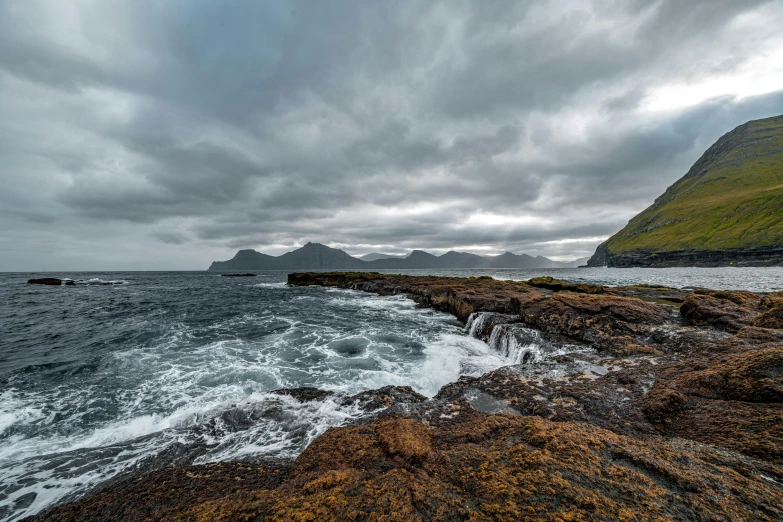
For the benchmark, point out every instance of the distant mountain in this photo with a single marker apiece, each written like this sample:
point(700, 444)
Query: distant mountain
point(727, 210)
point(576, 263)
point(315, 256)
point(376, 256)
point(245, 260)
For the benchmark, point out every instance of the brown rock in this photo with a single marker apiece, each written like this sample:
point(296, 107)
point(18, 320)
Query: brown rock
point(582, 436)
point(732, 400)
point(772, 318)
point(556, 285)
point(489, 467)
point(755, 376)
point(608, 323)
point(730, 311)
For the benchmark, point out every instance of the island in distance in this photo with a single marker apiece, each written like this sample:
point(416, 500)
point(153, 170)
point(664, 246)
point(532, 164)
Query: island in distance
point(315, 256)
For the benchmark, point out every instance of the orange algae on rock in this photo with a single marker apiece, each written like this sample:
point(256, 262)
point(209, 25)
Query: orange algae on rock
point(496, 467)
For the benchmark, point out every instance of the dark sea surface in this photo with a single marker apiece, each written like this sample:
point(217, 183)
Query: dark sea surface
point(98, 381)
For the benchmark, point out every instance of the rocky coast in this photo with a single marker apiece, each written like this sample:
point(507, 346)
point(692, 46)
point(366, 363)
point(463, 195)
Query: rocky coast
point(661, 404)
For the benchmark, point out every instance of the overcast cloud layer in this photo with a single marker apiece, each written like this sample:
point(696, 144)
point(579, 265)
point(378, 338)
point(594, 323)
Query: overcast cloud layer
point(164, 135)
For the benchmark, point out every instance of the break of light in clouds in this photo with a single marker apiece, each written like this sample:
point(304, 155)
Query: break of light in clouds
point(164, 135)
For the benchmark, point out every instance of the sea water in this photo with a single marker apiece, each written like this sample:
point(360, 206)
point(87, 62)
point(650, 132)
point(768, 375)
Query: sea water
point(100, 381)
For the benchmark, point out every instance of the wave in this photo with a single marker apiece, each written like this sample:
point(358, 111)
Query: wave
point(260, 425)
point(99, 281)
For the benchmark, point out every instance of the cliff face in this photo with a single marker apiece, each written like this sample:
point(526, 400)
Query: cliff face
point(727, 210)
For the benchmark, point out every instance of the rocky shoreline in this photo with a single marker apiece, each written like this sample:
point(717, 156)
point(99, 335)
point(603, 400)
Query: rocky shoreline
point(667, 405)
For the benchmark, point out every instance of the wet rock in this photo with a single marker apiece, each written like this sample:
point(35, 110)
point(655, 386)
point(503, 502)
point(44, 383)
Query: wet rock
point(458, 296)
point(772, 318)
point(656, 293)
point(405, 438)
point(164, 494)
point(385, 397)
point(580, 387)
point(756, 335)
point(663, 406)
point(481, 324)
point(304, 393)
point(755, 376)
point(646, 418)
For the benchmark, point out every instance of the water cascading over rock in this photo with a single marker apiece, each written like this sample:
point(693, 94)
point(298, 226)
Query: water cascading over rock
point(519, 344)
point(515, 342)
point(481, 324)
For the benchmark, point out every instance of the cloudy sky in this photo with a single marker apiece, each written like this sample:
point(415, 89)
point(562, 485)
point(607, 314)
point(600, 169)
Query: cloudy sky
point(164, 135)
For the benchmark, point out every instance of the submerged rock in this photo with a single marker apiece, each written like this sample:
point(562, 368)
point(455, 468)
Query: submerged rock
point(52, 281)
point(304, 394)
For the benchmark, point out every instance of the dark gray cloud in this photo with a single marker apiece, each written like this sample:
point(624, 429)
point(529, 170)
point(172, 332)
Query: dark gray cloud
point(143, 134)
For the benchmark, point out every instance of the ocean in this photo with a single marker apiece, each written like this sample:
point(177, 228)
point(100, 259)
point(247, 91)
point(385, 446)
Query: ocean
point(99, 381)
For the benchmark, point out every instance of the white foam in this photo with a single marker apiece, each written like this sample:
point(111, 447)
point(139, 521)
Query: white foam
point(99, 281)
point(516, 343)
point(271, 285)
point(449, 357)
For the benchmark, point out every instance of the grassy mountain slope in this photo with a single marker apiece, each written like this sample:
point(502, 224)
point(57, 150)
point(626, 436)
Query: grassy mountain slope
point(730, 200)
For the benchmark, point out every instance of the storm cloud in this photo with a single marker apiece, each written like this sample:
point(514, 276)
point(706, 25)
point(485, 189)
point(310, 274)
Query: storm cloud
point(163, 135)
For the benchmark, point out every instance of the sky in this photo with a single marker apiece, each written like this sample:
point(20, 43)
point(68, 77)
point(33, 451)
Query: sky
point(148, 135)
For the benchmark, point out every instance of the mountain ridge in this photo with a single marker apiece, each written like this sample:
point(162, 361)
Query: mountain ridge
point(315, 256)
point(727, 210)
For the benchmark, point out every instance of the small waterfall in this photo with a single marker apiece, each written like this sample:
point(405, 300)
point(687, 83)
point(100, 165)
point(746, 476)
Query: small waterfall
point(481, 324)
point(476, 322)
point(519, 344)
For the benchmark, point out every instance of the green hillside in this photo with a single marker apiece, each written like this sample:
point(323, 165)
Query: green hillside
point(732, 198)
